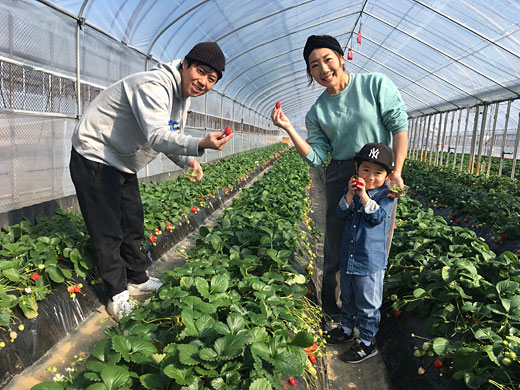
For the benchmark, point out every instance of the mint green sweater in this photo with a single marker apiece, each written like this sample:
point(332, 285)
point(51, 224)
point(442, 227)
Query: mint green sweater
point(369, 109)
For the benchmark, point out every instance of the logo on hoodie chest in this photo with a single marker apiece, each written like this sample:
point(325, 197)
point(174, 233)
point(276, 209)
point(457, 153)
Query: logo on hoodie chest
point(174, 126)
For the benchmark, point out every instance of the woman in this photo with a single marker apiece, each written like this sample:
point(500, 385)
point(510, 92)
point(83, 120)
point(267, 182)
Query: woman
point(355, 109)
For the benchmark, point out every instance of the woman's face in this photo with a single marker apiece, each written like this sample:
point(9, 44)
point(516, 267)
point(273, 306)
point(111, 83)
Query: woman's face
point(326, 68)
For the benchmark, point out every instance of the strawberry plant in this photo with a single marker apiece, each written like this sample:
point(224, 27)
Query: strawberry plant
point(33, 257)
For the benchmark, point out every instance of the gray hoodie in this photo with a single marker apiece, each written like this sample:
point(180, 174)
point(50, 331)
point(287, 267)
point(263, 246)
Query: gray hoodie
point(126, 126)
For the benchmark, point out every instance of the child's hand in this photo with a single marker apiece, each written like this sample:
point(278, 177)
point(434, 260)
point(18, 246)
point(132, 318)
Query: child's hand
point(356, 184)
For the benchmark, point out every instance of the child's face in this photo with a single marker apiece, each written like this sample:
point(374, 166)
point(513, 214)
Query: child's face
point(373, 174)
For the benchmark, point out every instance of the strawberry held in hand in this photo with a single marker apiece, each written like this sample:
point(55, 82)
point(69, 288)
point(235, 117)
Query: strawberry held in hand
point(227, 131)
point(357, 182)
point(277, 105)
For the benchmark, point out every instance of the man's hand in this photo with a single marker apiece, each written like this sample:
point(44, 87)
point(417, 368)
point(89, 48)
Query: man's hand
point(195, 167)
point(216, 140)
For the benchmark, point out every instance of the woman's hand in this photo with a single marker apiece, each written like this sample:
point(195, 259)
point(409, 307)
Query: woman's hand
point(280, 120)
point(395, 180)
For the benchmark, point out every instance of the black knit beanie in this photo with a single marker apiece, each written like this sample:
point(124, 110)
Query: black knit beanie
point(318, 42)
point(210, 54)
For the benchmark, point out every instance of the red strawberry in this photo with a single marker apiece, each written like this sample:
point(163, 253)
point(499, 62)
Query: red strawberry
point(277, 105)
point(505, 236)
point(291, 381)
point(397, 313)
point(314, 347)
point(77, 288)
point(35, 276)
point(437, 363)
point(312, 358)
point(194, 209)
point(309, 293)
point(70, 289)
point(227, 131)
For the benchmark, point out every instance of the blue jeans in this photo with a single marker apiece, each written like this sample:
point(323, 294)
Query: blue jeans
point(361, 298)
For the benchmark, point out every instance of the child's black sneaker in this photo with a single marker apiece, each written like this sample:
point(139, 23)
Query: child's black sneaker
point(358, 352)
point(338, 336)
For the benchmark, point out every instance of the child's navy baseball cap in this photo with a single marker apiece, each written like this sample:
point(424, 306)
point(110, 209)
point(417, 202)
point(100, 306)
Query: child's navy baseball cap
point(377, 153)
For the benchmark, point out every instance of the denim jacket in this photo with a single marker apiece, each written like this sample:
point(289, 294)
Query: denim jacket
point(363, 243)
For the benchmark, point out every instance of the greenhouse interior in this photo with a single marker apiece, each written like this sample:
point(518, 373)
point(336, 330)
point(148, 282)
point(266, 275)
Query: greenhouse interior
point(273, 102)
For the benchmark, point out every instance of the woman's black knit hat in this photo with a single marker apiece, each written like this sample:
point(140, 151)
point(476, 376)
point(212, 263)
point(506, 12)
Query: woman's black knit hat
point(210, 54)
point(318, 42)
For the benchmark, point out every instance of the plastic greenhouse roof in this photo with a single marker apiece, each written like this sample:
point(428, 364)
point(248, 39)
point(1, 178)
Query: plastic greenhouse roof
point(442, 55)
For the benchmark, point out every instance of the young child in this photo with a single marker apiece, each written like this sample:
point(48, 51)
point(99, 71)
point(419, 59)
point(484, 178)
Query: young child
point(366, 208)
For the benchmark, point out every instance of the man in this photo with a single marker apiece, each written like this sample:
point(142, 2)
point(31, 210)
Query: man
point(122, 130)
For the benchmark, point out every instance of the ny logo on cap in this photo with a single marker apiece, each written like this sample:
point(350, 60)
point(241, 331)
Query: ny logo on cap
point(374, 152)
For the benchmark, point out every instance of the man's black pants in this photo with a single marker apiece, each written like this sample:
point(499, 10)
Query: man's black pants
point(111, 206)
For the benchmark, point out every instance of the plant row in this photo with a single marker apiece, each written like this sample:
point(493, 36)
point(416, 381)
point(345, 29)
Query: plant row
point(446, 159)
point(235, 316)
point(55, 251)
point(468, 296)
point(493, 201)
point(167, 203)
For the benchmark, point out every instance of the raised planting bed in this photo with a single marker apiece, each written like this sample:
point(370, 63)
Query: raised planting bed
point(452, 307)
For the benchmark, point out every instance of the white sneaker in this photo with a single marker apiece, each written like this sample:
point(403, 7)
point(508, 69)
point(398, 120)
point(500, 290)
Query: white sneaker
point(151, 285)
point(120, 305)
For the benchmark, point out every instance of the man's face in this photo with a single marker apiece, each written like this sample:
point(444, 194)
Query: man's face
point(196, 80)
